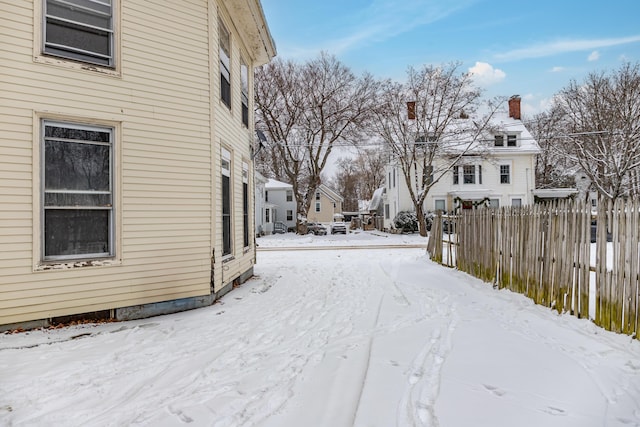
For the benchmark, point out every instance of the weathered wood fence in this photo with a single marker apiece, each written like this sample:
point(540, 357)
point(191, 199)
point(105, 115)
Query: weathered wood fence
point(544, 251)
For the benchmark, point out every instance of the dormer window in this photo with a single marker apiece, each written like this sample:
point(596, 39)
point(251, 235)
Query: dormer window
point(511, 140)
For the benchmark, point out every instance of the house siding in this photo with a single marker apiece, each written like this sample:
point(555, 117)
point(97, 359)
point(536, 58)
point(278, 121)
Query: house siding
point(163, 102)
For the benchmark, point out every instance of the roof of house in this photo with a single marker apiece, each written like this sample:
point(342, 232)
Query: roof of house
point(376, 199)
point(273, 184)
point(330, 193)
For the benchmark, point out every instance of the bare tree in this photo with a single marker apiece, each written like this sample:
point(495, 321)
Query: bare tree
point(358, 177)
point(346, 182)
point(307, 109)
point(602, 118)
point(371, 163)
point(425, 123)
point(553, 167)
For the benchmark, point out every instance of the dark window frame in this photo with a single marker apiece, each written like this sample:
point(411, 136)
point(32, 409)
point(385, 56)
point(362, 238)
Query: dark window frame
point(224, 53)
point(227, 210)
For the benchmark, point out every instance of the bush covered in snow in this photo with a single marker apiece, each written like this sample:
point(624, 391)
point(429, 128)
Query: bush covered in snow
point(407, 222)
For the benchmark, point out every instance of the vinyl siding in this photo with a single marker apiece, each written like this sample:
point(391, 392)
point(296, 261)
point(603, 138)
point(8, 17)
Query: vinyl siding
point(163, 100)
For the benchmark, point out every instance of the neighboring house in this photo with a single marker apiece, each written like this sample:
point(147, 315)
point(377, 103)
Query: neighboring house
point(125, 158)
point(261, 206)
point(324, 205)
point(503, 176)
point(282, 204)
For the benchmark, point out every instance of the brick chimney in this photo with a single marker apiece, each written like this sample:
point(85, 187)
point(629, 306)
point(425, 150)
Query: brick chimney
point(514, 107)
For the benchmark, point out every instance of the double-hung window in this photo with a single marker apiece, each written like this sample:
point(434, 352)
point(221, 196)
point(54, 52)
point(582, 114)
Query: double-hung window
point(226, 202)
point(469, 174)
point(456, 176)
point(512, 140)
point(77, 195)
point(225, 63)
point(80, 29)
point(245, 203)
point(505, 174)
point(244, 80)
point(289, 195)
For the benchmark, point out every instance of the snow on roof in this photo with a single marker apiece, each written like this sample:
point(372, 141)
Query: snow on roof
point(273, 184)
point(376, 199)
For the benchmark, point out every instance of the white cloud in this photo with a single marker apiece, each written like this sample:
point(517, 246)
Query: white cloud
point(557, 69)
point(485, 75)
point(380, 21)
point(594, 56)
point(563, 46)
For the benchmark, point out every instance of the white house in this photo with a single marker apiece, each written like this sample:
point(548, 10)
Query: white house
point(261, 225)
point(504, 175)
point(280, 205)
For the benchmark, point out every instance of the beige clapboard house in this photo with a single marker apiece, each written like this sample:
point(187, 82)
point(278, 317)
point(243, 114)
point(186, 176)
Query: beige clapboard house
point(126, 178)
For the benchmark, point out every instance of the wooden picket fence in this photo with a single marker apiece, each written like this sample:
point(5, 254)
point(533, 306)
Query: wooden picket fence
point(544, 251)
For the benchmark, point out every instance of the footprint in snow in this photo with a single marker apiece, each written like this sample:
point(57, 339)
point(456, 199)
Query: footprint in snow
point(494, 390)
point(554, 411)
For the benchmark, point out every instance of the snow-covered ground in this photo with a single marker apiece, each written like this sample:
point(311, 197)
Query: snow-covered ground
point(331, 337)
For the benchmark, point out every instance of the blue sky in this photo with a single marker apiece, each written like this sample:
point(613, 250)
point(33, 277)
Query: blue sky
point(530, 48)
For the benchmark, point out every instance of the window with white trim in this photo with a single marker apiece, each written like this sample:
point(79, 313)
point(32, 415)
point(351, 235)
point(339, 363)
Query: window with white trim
point(440, 204)
point(494, 203)
point(469, 174)
point(81, 30)
point(245, 203)
point(317, 206)
point(505, 174)
point(77, 191)
point(512, 140)
point(225, 63)
point(226, 202)
point(244, 84)
point(516, 202)
point(289, 215)
point(289, 195)
point(456, 175)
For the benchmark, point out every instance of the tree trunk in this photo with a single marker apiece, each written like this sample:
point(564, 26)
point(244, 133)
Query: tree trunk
point(422, 223)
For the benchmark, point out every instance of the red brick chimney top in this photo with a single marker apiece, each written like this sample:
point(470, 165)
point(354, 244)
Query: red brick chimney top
point(514, 107)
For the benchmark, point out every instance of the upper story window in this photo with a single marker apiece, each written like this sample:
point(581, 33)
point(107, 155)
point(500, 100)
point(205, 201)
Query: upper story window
point(289, 195)
point(81, 30)
point(469, 174)
point(456, 176)
point(511, 140)
point(244, 80)
point(505, 174)
point(317, 195)
point(225, 63)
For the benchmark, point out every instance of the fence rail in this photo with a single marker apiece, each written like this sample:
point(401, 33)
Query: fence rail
point(544, 251)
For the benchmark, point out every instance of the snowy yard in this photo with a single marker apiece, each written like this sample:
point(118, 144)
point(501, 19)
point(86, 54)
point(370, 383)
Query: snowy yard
point(331, 337)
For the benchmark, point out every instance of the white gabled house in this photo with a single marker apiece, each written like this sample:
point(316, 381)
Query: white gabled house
point(280, 205)
point(504, 175)
point(125, 155)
